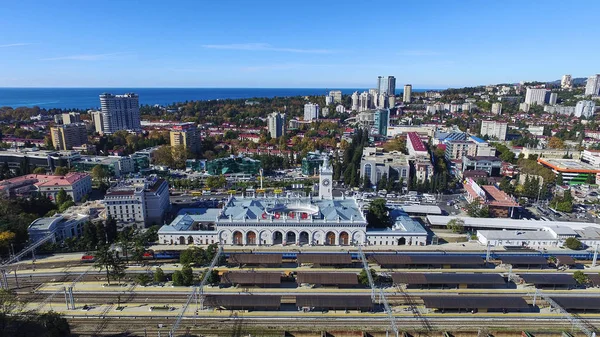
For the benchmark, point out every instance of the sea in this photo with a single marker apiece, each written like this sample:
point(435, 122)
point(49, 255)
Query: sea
point(87, 98)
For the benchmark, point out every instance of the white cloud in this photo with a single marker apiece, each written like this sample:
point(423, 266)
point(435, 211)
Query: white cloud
point(14, 45)
point(265, 47)
point(85, 57)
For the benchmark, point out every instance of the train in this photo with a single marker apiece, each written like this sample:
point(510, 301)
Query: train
point(148, 255)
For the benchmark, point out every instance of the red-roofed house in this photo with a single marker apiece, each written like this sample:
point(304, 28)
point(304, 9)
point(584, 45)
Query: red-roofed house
point(500, 204)
point(415, 145)
point(76, 185)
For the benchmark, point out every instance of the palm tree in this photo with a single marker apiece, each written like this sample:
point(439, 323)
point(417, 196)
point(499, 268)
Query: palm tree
point(104, 260)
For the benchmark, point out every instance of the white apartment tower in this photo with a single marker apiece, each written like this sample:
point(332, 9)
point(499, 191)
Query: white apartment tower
point(337, 96)
point(311, 111)
point(355, 101)
point(566, 82)
point(592, 87)
point(494, 129)
point(276, 122)
point(407, 93)
point(120, 112)
point(585, 109)
point(497, 108)
point(535, 96)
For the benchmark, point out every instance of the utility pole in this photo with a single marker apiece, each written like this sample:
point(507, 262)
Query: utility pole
point(595, 256)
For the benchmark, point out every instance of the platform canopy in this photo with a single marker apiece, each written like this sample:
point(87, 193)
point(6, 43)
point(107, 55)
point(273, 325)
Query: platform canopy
point(578, 303)
point(429, 259)
point(475, 302)
point(259, 259)
point(524, 259)
point(358, 302)
point(325, 259)
point(327, 278)
point(251, 278)
point(553, 279)
point(448, 278)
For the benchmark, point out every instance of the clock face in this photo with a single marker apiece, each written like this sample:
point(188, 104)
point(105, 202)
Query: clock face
point(326, 182)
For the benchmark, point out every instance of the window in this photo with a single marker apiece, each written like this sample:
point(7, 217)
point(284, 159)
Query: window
point(368, 170)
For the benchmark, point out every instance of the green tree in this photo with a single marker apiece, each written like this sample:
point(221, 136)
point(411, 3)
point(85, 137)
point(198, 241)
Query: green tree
point(366, 183)
point(188, 275)
point(573, 243)
point(61, 197)
point(580, 277)
point(213, 278)
point(378, 214)
point(39, 170)
point(107, 260)
point(61, 171)
point(159, 275)
point(111, 229)
point(143, 279)
point(99, 173)
point(363, 278)
point(559, 179)
point(178, 279)
point(456, 225)
point(383, 182)
point(215, 182)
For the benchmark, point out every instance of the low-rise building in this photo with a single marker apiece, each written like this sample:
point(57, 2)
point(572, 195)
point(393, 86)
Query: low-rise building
point(573, 172)
point(500, 204)
point(76, 185)
point(233, 165)
point(15, 159)
point(550, 153)
point(312, 162)
point(591, 157)
point(491, 165)
point(375, 163)
point(138, 201)
point(415, 145)
point(494, 129)
point(456, 149)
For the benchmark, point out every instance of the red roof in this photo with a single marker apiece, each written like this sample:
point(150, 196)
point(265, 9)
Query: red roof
point(416, 141)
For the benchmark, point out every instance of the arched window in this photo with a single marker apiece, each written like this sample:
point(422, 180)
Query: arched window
point(368, 170)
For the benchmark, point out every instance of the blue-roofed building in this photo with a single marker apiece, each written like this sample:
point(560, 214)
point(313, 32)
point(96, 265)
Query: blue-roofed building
point(477, 140)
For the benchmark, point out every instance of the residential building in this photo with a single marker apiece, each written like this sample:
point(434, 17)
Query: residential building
point(276, 124)
point(484, 149)
point(32, 158)
point(355, 101)
point(585, 109)
point(524, 107)
point(494, 129)
point(591, 157)
point(328, 100)
point(76, 185)
point(67, 118)
point(423, 169)
point(381, 121)
point(375, 163)
point(139, 201)
point(383, 101)
point(406, 97)
point(490, 165)
point(592, 86)
point(311, 111)
point(500, 204)
point(386, 84)
point(549, 153)
point(365, 101)
point(120, 112)
point(456, 149)
point(67, 136)
point(552, 98)
point(536, 130)
point(98, 120)
point(497, 108)
point(536, 96)
point(233, 165)
point(566, 82)
point(186, 135)
point(340, 109)
point(115, 166)
point(560, 109)
point(415, 145)
point(337, 96)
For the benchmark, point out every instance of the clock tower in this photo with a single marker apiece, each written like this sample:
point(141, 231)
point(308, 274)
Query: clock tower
point(326, 180)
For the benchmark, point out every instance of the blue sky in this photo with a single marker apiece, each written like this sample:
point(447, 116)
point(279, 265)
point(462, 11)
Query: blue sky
point(346, 44)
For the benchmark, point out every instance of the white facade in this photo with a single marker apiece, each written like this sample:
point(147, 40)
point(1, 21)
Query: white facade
point(120, 112)
point(591, 157)
point(536, 130)
point(337, 96)
point(375, 163)
point(311, 111)
point(355, 101)
point(326, 180)
point(536, 96)
point(524, 107)
point(592, 86)
point(566, 82)
point(585, 109)
point(497, 108)
point(494, 129)
point(407, 93)
point(138, 201)
point(552, 98)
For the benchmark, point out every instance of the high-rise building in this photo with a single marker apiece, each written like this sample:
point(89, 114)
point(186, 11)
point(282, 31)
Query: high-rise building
point(276, 123)
point(355, 101)
point(383, 101)
point(407, 93)
point(328, 100)
point(382, 121)
point(67, 136)
point(536, 96)
point(97, 121)
point(553, 98)
point(592, 87)
point(311, 111)
point(67, 118)
point(120, 112)
point(337, 96)
point(386, 84)
point(497, 108)
point(566, 82)
point(585, 109)
point(494, 129)
point(365, 101)
point(187, 135)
